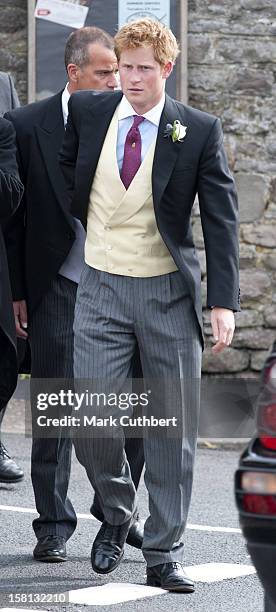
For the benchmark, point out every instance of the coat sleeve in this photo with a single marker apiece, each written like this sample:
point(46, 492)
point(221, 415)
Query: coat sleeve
point(14, 235)
point(11, 188)
point(219, 217)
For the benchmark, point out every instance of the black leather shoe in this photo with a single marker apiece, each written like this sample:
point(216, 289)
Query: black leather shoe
point(51, 549)
point(136, 530)
point(108, 547)
point(9, 470)
point(170, 576)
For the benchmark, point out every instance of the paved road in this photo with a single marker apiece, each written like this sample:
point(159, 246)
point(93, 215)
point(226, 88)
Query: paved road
point(212, 506)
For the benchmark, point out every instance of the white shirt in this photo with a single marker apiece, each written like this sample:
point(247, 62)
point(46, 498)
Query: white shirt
point(148, 128)
point(64, 103)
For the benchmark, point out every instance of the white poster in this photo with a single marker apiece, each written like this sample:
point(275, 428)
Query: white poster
point(71, 13)
point(155, 9)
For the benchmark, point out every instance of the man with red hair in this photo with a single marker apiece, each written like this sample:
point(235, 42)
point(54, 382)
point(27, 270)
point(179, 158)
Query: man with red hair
point(133, 162)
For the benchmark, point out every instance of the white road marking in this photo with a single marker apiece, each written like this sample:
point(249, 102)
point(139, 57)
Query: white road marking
point(112, 593)
point(90, 517)
point(33, 511)
point(216, 572)
point(17, 509)
point(116, 592)
point(210, 528)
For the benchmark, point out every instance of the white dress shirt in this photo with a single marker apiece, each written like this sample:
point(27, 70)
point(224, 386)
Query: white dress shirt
point(64, 103)
point(148, 128)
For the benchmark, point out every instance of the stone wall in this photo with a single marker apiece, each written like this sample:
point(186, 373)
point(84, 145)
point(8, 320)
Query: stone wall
point(13, 43)
point(232, 71)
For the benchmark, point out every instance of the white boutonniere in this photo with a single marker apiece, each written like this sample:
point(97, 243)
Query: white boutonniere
point(177, 131)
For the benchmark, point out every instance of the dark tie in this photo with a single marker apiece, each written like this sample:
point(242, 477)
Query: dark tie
point(132, 152)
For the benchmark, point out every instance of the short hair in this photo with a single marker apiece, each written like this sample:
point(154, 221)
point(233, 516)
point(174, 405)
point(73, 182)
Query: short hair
point(76, 48)
point(147, 33)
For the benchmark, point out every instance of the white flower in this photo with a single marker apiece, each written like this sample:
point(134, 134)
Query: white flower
point(177, 131)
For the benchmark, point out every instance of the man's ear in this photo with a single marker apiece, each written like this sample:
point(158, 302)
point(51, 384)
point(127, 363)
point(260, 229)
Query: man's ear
point(73, 72)
point(167, 69)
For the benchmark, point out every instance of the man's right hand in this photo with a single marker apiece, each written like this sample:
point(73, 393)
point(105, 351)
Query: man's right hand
point(21, 319)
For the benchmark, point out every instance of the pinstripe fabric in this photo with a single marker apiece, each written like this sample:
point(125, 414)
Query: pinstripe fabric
point(51, 341)
point(112, 314)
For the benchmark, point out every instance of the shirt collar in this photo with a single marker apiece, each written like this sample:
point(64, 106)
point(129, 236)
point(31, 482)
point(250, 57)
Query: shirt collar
point(153, 115)
point(64, 103)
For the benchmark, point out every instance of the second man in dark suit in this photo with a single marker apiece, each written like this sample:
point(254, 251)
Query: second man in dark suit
point(45, 248)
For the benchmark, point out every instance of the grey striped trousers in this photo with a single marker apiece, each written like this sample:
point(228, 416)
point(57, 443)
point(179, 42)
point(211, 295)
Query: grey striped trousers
point(112, 314)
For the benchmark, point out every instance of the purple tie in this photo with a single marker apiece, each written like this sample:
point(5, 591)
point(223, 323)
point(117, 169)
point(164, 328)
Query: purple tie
point(132, 152)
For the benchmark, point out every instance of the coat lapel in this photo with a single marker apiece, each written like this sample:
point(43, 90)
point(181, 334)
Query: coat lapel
point(96, 121)
point(50, 134)
point(166, 151)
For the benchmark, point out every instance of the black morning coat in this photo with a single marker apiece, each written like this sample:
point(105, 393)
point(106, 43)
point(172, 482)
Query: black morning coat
point(197, 165)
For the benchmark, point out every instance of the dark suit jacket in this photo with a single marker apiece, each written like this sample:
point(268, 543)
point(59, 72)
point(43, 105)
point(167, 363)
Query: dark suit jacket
point(10, 194)
point(41, 234)
point(180, 170)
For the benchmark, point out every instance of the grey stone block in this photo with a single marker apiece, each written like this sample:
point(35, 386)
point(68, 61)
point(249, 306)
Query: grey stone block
point(263, 234)
point(230, 360)
point(270, 317)
point(247, 255)
point(255, 287)
point(256, 338)
point(249, 318)
point(252, 192)
point(257, 359)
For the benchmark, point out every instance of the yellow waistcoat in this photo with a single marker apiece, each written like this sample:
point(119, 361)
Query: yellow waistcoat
point(122, 235)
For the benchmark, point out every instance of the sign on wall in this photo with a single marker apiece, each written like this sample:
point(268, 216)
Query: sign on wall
point(155, 9)
point(71, 13)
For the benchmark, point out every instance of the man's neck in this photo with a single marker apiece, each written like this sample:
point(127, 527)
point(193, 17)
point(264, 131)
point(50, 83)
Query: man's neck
point(71, 88)
point(142, 110)
point(147, 109)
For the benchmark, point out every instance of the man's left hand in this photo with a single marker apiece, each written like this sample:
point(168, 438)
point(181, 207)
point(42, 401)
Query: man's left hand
point(223, 326)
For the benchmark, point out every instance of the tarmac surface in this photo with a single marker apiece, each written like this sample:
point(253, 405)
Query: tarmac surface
point(215, 552)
